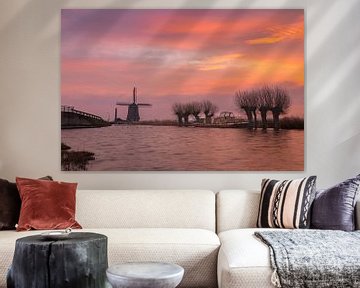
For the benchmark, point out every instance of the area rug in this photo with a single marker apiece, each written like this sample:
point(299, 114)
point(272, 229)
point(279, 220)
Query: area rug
point(313, 258)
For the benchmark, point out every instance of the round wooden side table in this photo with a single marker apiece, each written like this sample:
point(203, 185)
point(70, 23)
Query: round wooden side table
point(80, 261)
point(145, 275)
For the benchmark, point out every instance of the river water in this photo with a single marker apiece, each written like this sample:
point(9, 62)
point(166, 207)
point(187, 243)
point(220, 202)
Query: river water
point(166, 148)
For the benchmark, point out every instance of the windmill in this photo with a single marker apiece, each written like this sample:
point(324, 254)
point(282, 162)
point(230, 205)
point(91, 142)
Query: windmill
point(133, 108)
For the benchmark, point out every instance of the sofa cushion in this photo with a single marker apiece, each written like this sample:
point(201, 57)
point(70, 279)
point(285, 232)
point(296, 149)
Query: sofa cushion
point(334, 208)
point(286, 204)
point(10, 204)
point(244, 261)
point(153, 209)
point(236, 209)
point(194, 249)
point(46, 204)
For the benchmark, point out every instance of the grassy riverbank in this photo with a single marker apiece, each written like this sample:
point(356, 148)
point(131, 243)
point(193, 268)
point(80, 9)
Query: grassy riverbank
point(75, 160)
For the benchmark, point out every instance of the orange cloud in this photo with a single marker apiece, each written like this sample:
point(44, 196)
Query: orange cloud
point(280, 33)
point(264, 40)
point(217, 62)
point(276, 70)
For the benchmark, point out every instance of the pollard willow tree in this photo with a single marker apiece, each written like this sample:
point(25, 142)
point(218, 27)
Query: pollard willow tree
point(209, 110)
point(267, 98)
point(195, 110)
point(178, 110)
point(184, 110)
point(264, 104)
point(280, 104)
point(248, 101)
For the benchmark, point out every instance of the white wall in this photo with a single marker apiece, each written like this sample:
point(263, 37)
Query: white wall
point(30, 94)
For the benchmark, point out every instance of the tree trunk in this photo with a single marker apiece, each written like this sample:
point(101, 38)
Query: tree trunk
point(276, 119)
point(207, 119)
point(180, 120)
point(264, 123)
point(250, 119)
point(186, 119)
point(255, 119)
point(79, 261)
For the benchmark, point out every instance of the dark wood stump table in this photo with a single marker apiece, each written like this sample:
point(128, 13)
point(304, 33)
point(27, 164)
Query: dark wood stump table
point(78, 261)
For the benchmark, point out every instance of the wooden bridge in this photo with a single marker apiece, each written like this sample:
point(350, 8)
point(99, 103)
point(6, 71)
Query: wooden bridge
point(72, 119)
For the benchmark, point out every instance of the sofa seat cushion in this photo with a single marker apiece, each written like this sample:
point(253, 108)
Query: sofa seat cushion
point(194, 249)
point(244, 261)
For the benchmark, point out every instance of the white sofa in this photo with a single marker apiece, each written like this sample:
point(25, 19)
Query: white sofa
point(175, 226)
point(243, 261)
point(161, 225)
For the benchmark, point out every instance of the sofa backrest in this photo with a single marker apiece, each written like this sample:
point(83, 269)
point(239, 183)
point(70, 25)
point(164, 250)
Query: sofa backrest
point(146, 209)
point(236, 209)
point(239, 209)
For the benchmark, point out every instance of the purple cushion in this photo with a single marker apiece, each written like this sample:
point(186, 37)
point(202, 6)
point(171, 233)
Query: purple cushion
point(334, 208)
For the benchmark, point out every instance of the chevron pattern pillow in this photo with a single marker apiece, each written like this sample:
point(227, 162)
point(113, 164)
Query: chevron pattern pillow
point(286, 204)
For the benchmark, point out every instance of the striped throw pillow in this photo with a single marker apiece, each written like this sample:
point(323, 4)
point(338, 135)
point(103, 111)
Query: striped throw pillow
point(286, 204)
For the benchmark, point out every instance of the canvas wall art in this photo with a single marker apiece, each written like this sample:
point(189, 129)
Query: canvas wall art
point(182, 89)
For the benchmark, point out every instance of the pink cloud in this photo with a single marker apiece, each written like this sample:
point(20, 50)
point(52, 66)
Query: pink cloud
point(178, 54)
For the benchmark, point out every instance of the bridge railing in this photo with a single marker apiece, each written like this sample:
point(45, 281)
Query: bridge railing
point(71, 109)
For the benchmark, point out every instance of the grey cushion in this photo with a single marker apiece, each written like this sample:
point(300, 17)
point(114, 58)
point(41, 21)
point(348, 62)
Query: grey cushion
point(334, 208)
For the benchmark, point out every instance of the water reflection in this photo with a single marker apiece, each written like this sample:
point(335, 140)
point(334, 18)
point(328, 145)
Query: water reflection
point(126, 147)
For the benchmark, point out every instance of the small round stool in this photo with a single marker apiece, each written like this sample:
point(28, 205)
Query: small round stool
point(145, 275)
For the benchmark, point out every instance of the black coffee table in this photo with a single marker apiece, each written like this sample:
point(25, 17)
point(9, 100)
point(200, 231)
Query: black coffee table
point(78, 261)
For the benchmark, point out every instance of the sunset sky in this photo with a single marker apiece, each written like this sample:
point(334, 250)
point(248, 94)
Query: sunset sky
point(178, 56)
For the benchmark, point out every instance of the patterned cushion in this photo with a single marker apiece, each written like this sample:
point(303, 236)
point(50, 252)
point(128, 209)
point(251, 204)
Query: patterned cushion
point(286, 204)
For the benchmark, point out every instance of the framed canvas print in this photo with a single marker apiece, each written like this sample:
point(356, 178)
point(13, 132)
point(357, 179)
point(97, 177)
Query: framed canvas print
point(182, 89)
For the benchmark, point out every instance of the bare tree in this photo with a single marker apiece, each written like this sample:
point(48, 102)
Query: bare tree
point(268, 98)
point(209, 110)
point(280, 104)
point(196, 110)
point(178, 110)
point(187, 111)
point(183, 111)
point(247, 100)
point(253, 103)
point(264, 104)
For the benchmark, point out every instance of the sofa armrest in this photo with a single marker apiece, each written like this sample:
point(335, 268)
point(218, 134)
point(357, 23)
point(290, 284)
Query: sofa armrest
point(357, 215)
